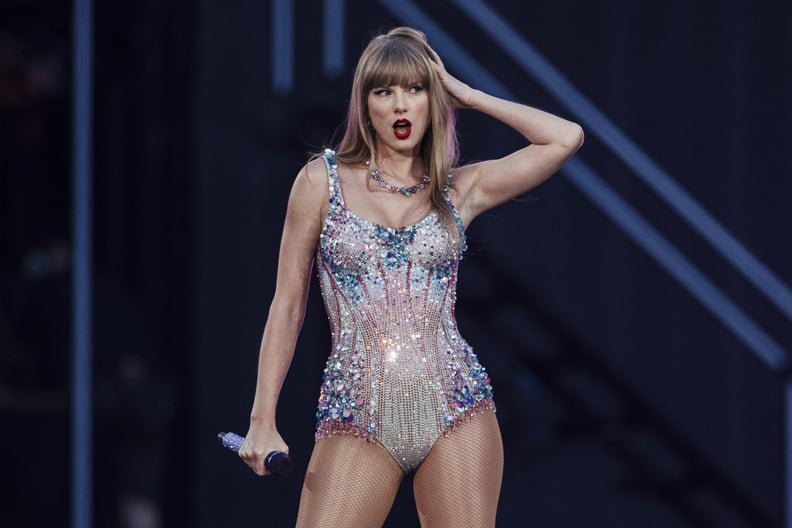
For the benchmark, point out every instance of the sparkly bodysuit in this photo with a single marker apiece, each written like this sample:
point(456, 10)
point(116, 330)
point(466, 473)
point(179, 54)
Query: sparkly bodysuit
point(399, 372)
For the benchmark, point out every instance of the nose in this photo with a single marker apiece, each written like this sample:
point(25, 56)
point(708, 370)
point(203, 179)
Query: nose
point(400, 102)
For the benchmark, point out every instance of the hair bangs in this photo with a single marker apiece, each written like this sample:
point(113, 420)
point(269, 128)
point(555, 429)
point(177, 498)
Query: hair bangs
point(396, 65)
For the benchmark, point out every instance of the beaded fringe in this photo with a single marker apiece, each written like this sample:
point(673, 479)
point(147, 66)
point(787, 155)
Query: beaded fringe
point(487, 404)
point(336, 427)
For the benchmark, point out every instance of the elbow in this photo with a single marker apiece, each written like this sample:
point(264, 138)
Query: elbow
point(573, 138)
point(287, 310)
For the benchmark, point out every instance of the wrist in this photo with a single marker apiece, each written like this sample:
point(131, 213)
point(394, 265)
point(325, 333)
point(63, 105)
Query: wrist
point(262, 422)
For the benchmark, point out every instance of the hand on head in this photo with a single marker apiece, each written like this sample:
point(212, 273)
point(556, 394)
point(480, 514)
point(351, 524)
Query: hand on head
point(461, 93)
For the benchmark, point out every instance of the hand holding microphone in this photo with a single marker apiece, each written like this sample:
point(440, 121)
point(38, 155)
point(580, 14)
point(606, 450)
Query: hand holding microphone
point(276, 462)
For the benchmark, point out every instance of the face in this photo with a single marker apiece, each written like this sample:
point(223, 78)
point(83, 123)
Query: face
point(399, 116)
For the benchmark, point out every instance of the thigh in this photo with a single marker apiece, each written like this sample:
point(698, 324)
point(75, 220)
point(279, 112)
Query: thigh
point(458, 484)
point(350, 482)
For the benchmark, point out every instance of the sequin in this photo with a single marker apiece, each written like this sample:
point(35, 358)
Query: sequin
point(399, 372)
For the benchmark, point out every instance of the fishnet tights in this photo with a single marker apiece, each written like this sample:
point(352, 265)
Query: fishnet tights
point(351, 483)
point(458, 483)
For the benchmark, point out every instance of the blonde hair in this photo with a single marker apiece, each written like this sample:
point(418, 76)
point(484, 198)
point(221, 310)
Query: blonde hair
point(398, 57)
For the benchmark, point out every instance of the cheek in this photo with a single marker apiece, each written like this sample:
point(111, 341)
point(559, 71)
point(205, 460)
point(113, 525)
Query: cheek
point(375, 111)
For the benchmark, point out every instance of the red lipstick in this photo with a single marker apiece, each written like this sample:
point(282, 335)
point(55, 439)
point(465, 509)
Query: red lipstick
point(402, 128)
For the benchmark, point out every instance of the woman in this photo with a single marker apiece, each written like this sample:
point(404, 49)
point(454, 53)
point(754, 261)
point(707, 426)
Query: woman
point(385, 218)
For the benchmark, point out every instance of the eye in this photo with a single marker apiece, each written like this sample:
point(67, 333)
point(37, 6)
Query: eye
point(414, 89)
point(381, 91)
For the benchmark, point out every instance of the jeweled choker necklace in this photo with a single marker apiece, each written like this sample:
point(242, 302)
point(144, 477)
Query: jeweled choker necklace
point(406, 191)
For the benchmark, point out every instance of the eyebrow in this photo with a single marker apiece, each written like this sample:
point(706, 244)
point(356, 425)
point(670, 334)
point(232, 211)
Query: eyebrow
point(403, 85)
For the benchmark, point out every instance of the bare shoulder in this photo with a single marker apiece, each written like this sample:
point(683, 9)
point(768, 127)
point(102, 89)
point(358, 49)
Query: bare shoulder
point(313, 176)
point(309, 193)
point(311, 180)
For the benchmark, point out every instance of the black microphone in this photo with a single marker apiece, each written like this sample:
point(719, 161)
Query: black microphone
point(277, 462)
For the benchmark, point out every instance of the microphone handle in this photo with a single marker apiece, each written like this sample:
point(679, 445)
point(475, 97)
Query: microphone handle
point(276, 462)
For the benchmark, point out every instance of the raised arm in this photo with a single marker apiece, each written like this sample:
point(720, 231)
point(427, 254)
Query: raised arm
point(307, 207)
point(481, 186)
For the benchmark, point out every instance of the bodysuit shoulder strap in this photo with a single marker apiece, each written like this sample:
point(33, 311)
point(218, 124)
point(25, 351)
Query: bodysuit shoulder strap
point(332, 177)
point(457, 219)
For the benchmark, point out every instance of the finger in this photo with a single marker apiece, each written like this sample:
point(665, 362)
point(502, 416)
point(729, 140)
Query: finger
point(258, 466)
point(253, 461)
point(261, 469)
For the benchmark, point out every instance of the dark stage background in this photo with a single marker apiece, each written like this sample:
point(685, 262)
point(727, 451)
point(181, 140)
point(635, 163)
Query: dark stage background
point(623, 400)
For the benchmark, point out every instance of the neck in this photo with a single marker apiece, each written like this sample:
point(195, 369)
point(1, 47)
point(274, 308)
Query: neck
point(404, 166)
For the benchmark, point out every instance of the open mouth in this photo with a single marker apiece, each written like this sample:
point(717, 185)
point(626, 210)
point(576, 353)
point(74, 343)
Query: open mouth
point(402, 128)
